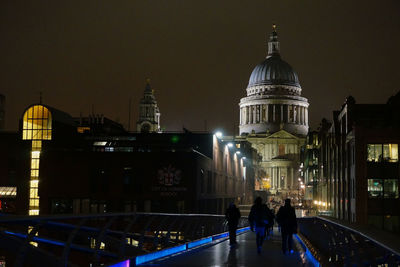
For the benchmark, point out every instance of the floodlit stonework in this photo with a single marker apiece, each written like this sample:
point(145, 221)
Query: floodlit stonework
point(274, 118)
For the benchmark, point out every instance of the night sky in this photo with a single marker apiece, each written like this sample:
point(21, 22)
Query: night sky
point(198, 54)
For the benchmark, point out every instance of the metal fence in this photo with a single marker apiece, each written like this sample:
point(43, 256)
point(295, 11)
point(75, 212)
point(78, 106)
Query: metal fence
point(81, 240)
point(337, 245)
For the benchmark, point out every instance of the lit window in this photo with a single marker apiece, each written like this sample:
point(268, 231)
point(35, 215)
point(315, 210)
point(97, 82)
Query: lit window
point(37, 126)
point(383, 152)
point(390, 152)
point(375, 188)
point(374, 152)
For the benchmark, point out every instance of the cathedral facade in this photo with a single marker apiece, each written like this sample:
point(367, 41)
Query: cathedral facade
point(274, 118)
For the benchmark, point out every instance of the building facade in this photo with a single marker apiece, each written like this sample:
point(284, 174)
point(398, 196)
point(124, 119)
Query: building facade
point(91, 165)
point(359, 164)
point(149, 113)
point(274, 118)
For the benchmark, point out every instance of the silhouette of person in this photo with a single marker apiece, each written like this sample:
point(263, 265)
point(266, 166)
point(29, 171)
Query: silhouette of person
point(232, 215)
point(286, 218)
point(258, 219)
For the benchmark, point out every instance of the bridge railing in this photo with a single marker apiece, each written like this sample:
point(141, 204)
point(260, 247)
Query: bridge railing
point(337, 245)
point(100, 238)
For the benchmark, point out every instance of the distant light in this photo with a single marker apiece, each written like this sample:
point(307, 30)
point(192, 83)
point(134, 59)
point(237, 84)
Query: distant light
point(299, 179)
point(315, 202)
point(230, 145)
point(302, 186)
point(238, 152)
point(218, 134)
point(175, 139)
point(244, 158)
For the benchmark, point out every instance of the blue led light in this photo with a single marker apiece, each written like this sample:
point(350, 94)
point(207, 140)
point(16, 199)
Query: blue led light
point(309, 256)
point(159, 254)
point(215, 237)
point(199, 242)
point(121, 264)
point(242, 230)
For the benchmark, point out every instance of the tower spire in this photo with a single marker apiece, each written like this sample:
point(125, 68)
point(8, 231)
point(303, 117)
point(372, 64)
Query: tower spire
point(273, 43)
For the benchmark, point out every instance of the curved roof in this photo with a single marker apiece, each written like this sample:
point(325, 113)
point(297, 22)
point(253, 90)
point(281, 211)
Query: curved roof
point(273, 71)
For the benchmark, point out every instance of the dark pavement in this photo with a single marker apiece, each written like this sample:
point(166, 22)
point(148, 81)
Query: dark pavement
point(243, 254)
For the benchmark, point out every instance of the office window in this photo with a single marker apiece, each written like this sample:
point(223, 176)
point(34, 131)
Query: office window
point(382, 152)
point(391, 188)
point(390, 152)
point(374, 152)
point(375, 188)
point(387, 188)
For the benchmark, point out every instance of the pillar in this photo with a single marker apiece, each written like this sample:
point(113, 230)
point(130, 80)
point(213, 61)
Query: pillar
point(306, 113)
point(267, 112)
point(292, 174)
point(273, 112)
point(288, 113)
point(254, 107)
point(281, 113)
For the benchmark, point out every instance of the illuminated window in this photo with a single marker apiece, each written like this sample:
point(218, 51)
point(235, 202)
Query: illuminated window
point(36, 126)
point(37, 123)
point(388, 188)
point(383, 152)
point(375, 188)
point(374, 152)
point(390, 152)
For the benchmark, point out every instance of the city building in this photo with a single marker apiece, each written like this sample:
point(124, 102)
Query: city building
point(92, 165)
point(149, 113)
point(274, 118)
point(358, 178)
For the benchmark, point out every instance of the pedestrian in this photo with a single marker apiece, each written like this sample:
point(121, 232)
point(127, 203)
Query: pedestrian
point(258, 219)
point(270, 226)
point(286, 218)
point(232, 215)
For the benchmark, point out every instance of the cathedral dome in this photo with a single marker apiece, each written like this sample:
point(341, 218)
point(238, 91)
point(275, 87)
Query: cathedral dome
point(273, 71)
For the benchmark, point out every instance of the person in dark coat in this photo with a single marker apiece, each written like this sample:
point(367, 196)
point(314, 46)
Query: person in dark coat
point(270, 225)
point(286, 218)
point(232, 215)
point(258, 219)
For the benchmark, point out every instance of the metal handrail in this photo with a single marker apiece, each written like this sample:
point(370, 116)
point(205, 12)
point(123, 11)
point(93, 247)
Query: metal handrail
point(337, 245)
point(74, 233)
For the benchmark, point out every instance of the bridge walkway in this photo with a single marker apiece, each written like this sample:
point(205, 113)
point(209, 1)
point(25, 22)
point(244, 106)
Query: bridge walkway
point(243, 254)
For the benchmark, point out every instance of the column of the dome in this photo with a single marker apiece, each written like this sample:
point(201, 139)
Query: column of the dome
point(240, 116)
point(307, 116)
point(287, 114)
point(298, 115)
point(273, 112)
point(301, 114)
point(281, 112)
point(257, 113)
point(267, 112)
point(253, 107)
point(263, 113)
point(246, 110)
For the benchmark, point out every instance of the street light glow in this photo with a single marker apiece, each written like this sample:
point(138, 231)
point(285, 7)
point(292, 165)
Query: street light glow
point(218, 134)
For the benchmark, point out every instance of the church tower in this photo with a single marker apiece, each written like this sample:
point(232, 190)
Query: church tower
point(149, 113)
point(274, 118)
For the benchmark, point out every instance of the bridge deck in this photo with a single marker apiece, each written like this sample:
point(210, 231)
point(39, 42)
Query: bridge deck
point(243, 254)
